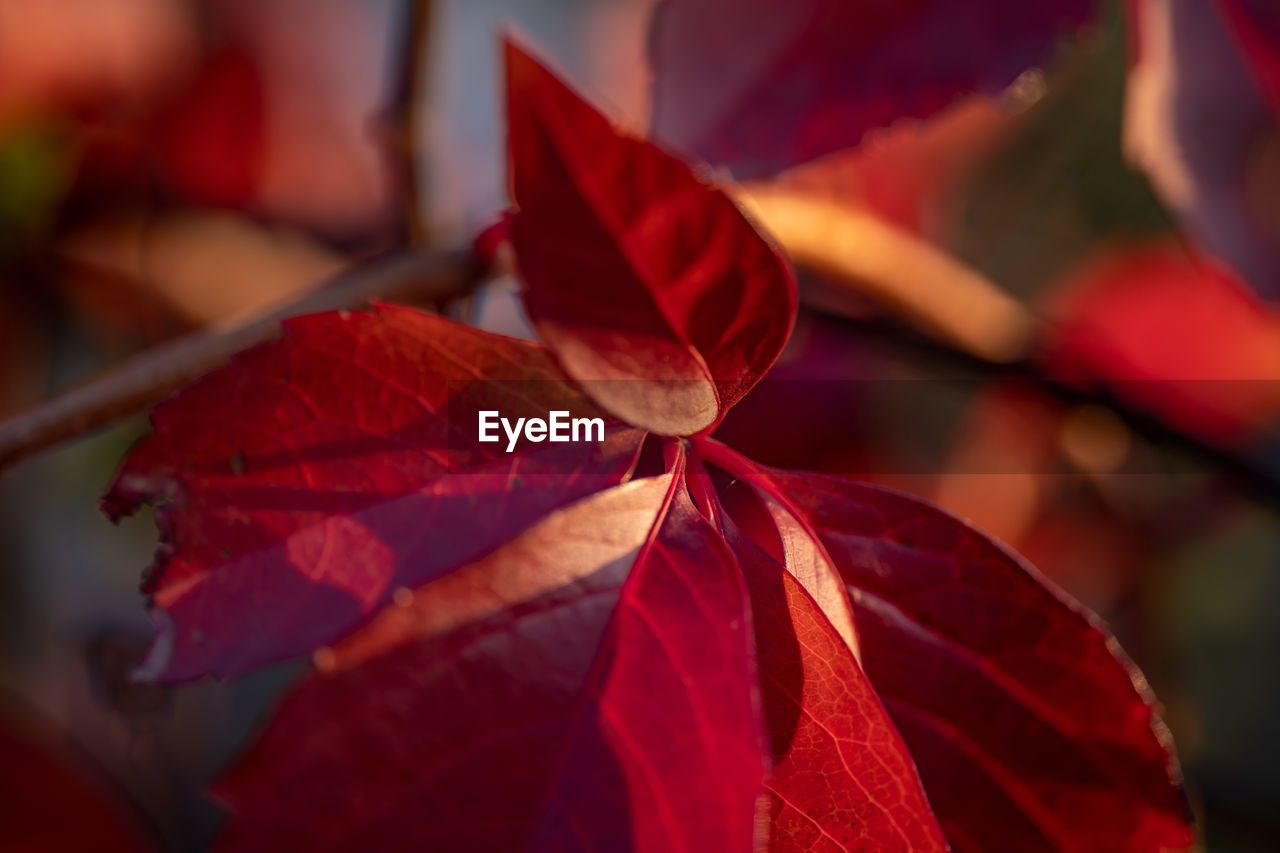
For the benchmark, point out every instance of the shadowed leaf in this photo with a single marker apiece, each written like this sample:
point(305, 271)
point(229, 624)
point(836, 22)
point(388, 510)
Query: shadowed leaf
point(299, 487)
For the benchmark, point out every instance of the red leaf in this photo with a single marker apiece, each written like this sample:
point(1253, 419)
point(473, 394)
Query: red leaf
point(451, 737)
point(1029, 731)
point(305, 483)
point(1175, 333)
point(583, 715)
point(595, 682)
point(844, 779)
point(674, 700)
point(761, 85)
point(807, 561)
point(1256, 26)
point(635, 269)
point(214, 138)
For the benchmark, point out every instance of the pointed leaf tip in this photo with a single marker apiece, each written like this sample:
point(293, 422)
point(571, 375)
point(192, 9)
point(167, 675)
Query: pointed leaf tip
point(649, 285)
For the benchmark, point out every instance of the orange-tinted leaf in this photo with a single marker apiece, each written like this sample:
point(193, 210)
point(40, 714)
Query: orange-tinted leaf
point(908, 174)
point(634, 268)
point(301, 486)
point(89, 54)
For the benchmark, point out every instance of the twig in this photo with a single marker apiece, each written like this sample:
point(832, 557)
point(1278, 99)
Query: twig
point(149, 377)
point(407, 110)
point(152, 375)
point(966, 319)
point(1252, 474)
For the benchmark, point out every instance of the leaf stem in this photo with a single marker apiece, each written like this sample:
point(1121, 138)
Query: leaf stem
point(722, 455)
point(703, 491)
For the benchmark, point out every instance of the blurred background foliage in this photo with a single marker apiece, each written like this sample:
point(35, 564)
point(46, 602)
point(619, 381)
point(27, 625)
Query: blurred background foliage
point(171, 165)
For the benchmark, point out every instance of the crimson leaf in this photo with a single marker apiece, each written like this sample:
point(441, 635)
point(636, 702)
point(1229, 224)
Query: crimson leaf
point(844, 779)
point(294, 483)
point(992, 677)
point(601, 710)
point(1174, 332)
point(630, 671)
point(699, 304)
